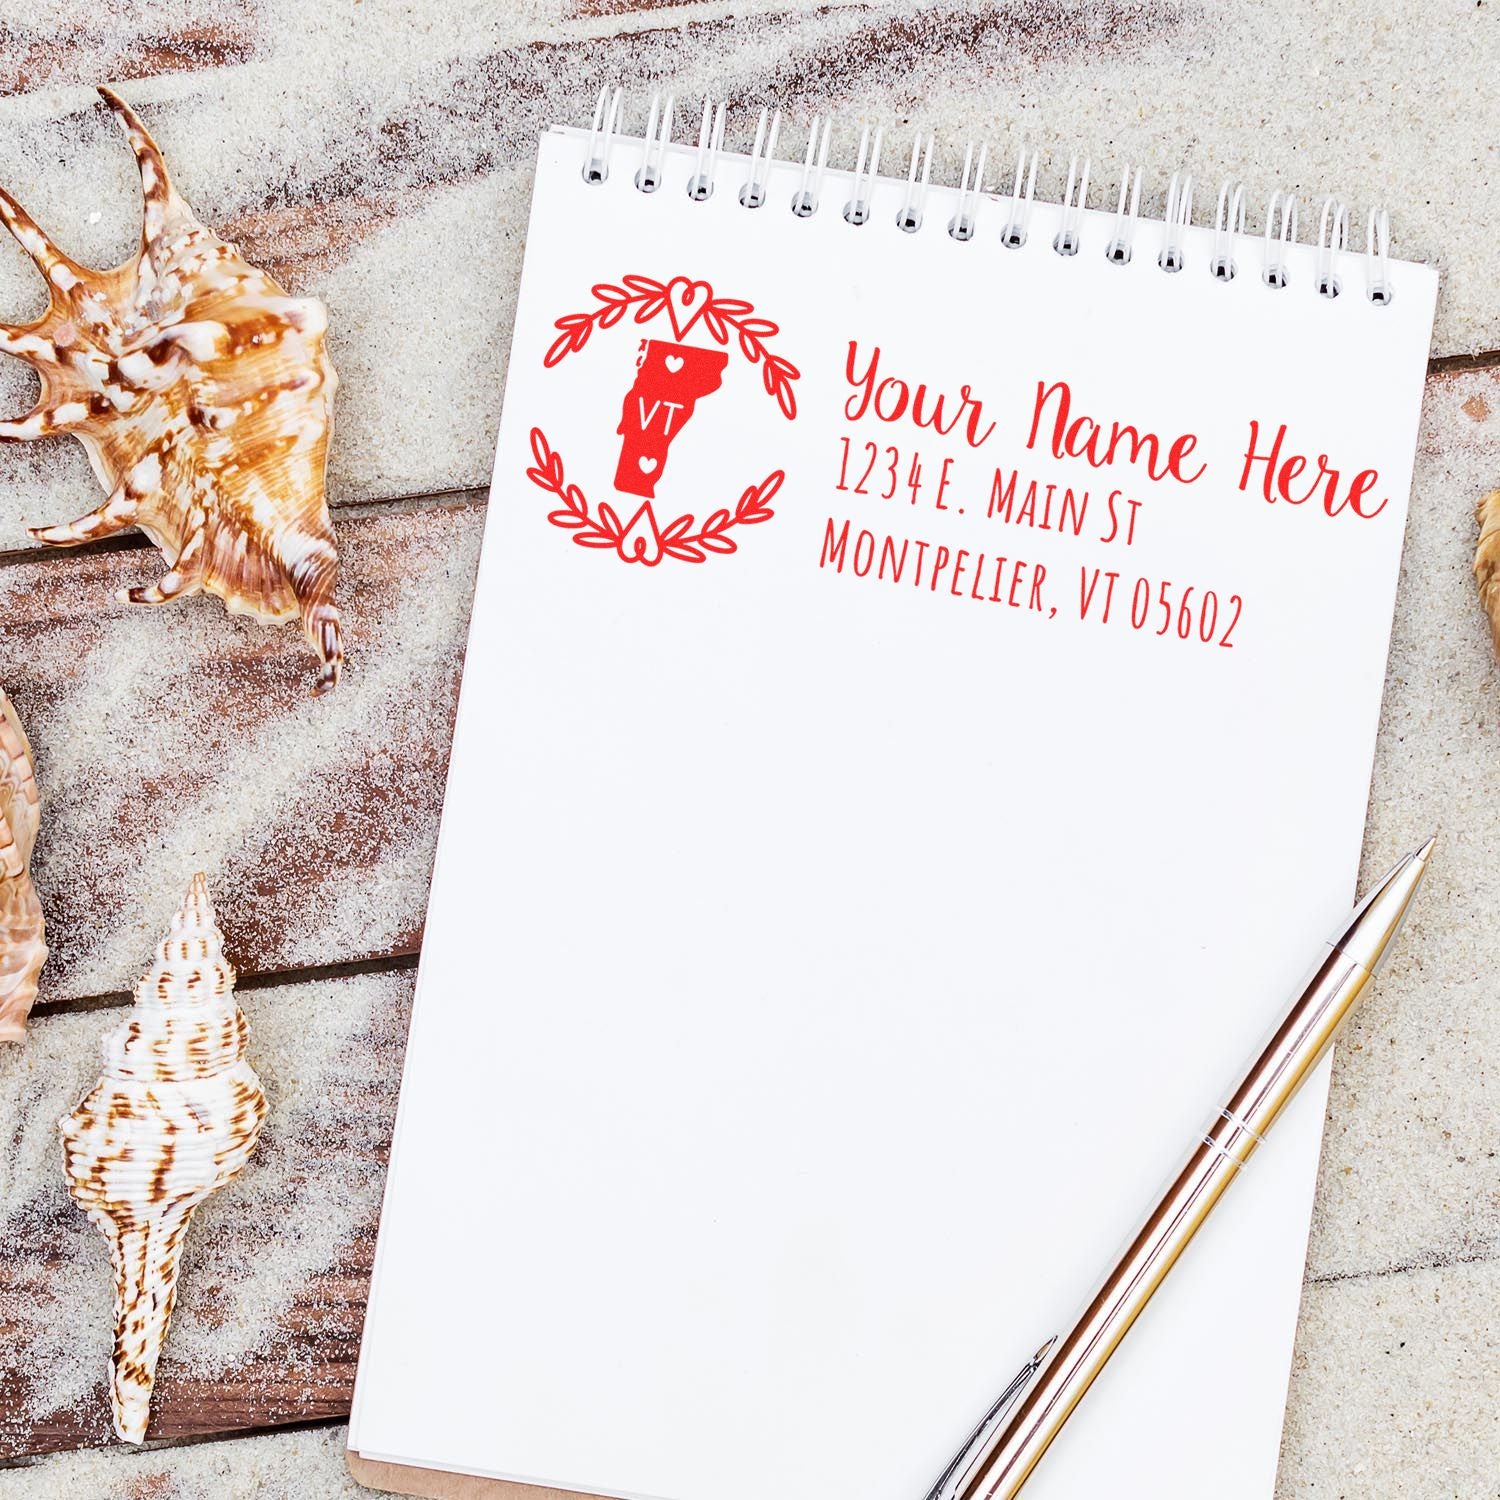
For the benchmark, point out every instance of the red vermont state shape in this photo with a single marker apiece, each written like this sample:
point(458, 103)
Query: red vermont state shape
point(670, 380)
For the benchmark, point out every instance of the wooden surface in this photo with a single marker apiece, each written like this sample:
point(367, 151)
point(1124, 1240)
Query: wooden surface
point(191, 738)
point(377, 155)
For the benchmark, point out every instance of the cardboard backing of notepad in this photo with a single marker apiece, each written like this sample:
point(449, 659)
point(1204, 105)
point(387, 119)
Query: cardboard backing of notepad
point(444, 1484)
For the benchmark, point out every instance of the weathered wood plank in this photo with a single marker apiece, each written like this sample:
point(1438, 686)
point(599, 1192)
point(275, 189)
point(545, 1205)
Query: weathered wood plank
point(1395, 1391)
point(1411, 1161)
point(273, 1282)
point(1395, 1388)
point(381, 161)
point(300, 1464)
point(44, 49)
point(186, 739)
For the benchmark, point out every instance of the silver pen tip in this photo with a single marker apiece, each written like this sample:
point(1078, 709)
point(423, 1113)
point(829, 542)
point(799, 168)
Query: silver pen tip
point(1370, 933)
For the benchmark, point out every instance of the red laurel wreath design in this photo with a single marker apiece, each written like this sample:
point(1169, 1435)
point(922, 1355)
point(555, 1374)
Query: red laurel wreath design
point(641, 540)
point(650, 298)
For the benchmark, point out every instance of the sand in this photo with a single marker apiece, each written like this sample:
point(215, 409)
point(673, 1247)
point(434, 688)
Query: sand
point(377, 155)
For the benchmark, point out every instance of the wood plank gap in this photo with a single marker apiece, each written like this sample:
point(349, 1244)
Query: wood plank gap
point(1440, 1262)
point(1457, 364)
point(187, 1440)
point(402, 505)
point(398, 962)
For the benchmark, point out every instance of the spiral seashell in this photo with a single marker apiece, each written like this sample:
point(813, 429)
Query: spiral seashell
point(23, 946)
point(203, 394)
point(173, 1118)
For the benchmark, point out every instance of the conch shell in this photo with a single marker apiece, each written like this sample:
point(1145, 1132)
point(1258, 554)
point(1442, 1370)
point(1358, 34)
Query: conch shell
point(204, 396)
point(173, 1118)
point(1487, 561)
point(23, 947)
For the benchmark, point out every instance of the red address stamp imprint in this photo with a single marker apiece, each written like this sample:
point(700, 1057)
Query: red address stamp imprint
point(672, 379)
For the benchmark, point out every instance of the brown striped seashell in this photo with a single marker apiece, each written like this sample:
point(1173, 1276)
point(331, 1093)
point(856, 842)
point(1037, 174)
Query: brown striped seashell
point(173, 1118)
point(203, 394)
point(23, 935)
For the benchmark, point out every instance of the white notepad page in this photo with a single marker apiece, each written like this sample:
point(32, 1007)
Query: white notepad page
point(823, 968)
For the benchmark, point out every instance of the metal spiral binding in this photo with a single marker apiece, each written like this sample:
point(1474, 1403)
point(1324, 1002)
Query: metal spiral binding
point(1274, 272)
point(1333, 234)
point(1121, 244)
point(1067, 238)
point(975, 202)
point(1179, 215)
point(601, 136)
point(1013, 235)
point(805, 199)
point(710, 143)
point(857, 209)
point(1377, 259)
point(1227, 225)
point(753, 194)
point(909, 218)
point(961, 225)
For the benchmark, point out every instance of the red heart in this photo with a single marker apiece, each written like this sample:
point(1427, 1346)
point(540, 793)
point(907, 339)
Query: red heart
point(642, 541)
point(686, 301)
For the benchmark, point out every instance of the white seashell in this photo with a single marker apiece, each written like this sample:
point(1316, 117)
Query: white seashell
point(174, 1117)
point(23, 946)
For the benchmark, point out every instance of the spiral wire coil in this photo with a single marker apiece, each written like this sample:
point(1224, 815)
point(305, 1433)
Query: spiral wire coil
point(1016, 205)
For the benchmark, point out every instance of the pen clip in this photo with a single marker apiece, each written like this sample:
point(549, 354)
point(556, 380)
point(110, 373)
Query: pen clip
point(977, 1440)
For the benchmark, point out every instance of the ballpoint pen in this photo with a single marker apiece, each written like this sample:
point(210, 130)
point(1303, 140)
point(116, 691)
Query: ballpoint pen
point(1011, 1438)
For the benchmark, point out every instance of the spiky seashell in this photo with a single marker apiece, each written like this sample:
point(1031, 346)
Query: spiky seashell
point(174, 1117)
point(204, 396)
point(1487, 561)
point(23, 946)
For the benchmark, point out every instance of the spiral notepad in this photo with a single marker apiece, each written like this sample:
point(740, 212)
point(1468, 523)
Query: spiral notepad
point(917, 721)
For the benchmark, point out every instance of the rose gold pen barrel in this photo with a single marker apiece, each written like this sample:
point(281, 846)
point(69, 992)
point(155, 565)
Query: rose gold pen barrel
point(1013, 1436)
